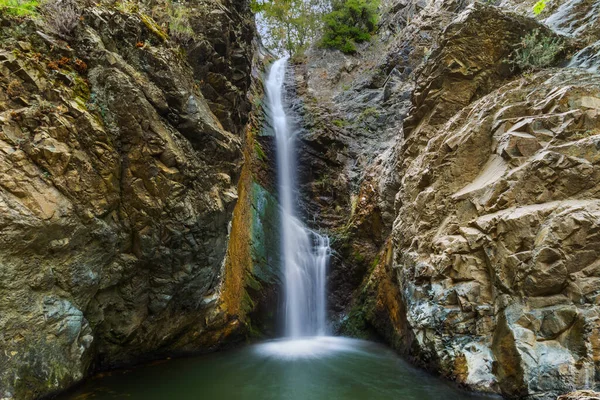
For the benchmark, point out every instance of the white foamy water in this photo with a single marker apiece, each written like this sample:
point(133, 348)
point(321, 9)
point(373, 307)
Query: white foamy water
point(308, 347)
point(305, 253)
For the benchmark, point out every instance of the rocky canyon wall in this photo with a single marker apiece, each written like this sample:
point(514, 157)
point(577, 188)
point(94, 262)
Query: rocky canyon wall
point(465, 210)
point(121, 154)
point(139, 214)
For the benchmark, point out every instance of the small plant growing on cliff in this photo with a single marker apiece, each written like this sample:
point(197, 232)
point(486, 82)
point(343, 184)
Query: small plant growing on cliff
point(537, 51)
point(61, 16)
point(18, 8)
point(368, 113)
point(539, 7)
point(80, 65)
point(350, 22)
point(340, 123)
point(127, 6)
point(260, 153)
point(180, 28)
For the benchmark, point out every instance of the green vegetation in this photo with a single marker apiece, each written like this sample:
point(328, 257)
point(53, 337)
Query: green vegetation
point(127, 6)
point(350, 22)
point(340, 123)
point(368, 113)
point(180, 28)
point(154, 27)
point(18, 8)
point(260, 153)
point(355, 324)
point(539, 7)
point(537, 51)
point(290, 24)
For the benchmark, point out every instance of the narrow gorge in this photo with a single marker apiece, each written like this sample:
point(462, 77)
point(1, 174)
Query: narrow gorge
point(414, 214)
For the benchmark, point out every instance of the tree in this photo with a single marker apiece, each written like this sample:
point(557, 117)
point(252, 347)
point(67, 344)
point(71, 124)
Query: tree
point(288, 26)
point(350, 22)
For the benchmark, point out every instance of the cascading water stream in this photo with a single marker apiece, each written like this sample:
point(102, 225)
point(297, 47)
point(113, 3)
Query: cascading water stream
point(305, 253)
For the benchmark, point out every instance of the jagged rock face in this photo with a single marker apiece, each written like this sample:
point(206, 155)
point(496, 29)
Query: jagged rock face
point(221, 58)
point(489, 186)
point(496, 238)
point(497, 219)
point(117, 186)
point(466, 64)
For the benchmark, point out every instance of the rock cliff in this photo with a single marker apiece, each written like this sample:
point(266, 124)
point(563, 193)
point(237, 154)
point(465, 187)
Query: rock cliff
point(121, 150)
point(465, 210)
point(461, 193)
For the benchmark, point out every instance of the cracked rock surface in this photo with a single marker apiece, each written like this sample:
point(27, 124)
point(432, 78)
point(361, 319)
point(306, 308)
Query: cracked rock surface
point(118, 179)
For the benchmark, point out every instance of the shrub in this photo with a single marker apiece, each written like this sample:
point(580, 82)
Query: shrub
point(127, 6)
point(61, 16)
point(64, 61)
point(180, 28)
point(18, 8)
point(368, 113)
point(536, 51)
point(350, 22)
point(53, 65)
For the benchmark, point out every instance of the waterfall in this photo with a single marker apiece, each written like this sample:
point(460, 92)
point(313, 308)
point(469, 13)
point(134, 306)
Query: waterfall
point(305, 253)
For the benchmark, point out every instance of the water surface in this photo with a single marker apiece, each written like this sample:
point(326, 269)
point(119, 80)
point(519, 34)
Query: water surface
point(324, 368)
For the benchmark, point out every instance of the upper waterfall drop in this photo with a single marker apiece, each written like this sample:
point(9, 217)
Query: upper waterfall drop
point(305, 253)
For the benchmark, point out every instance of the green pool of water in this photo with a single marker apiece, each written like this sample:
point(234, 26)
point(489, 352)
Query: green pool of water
point(323, 368)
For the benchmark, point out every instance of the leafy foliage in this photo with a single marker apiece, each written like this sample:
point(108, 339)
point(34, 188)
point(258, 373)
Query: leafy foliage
point(350, 22)
point(18, 8)
point(288, 26)
point(539, 7)
point(537, 51)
